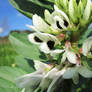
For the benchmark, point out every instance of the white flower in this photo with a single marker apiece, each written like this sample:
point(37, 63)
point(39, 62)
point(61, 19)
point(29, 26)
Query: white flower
point(50, 79)
point(71, 56)
point(40, 24)
point(31, 81)
point(42, 37)
point(61, 13)
point(56, 80)
point(58, 19)
point(46, 42)
point(70, 72)
point(87, 46)
point(55, 52)
point(33, 38)
point(73, 73)
point(68, 54)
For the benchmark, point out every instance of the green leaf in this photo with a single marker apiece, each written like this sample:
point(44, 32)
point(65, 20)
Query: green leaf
point(11, 73)
point(85, 72)
point(87, 62)
point(30, 7)
point(70, 73)
point(25, 48)
point(85, 35)
point(7, 86)
point(25, 64)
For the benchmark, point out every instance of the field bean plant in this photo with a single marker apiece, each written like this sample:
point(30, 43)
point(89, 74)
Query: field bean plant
point(56, 56)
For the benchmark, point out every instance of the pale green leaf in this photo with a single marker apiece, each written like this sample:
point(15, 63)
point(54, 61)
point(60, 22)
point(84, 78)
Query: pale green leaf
point(7, 86)
point(85, 72)
point(25, 64)
point(11, 73)
point(25, 48)
point(70, 73)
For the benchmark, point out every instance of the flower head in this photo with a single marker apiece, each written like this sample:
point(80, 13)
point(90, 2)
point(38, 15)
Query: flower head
point(79, 12)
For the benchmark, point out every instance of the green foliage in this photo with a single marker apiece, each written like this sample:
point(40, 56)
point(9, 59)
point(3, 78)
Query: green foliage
point(25, 64)
point(7, 53)
point(24, 47)
point(11, 73)
point(30, 7)
point(7, 86)
point(87, 62)
point(7, 78)
point(85, 35)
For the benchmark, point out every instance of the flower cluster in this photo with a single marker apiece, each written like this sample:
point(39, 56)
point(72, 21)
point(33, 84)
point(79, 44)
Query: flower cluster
point(55, 37)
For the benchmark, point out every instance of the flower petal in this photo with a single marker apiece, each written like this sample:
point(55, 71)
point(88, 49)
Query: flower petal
point(71, 56)
point(55, 52)
point(23, 90)
point(40, 25)
point(34, 39)
point(52, 73)
point(56, 80)
point(48, 79)
point(48, 17)
point(63, 58)
point(53, 84)
point(44, 48)
point(29, 80)
point(62, 13)
point(45, 37)
point(87, 45)
point(41, 66)
point(32, 27)
point(60, 22)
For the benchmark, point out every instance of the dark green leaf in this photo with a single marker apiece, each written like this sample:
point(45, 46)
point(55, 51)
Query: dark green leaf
point(25, 48)
point(30, 7)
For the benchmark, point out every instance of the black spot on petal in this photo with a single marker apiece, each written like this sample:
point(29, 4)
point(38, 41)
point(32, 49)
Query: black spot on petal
point(65, 23)
point(50, 44)
point(37, 39)
point(77, 1)
point(58, 25)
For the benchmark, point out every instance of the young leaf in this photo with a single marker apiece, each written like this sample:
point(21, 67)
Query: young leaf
point(25, 48)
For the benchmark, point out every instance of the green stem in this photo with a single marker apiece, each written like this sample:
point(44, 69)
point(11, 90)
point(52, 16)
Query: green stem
point(77, 35)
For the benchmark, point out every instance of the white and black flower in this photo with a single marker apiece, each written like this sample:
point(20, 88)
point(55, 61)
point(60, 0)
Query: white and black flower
point(58, 19)
point(46, 42)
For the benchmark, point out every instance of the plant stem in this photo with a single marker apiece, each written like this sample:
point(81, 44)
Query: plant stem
point(66, 85)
